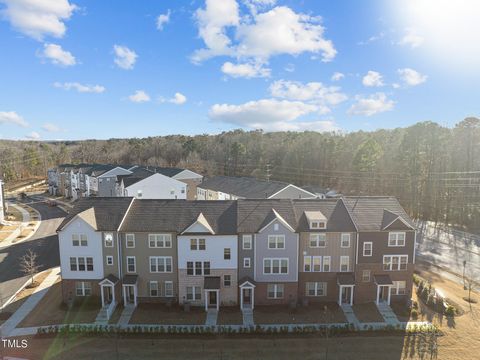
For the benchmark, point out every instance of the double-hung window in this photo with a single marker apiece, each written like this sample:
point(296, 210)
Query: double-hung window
point(367, 248)
point(154, 288)
point(197, 244)
point(168, 288)
point(326, 263)
point(316, 288)
point(226, 254)
point(246, 262)
point(276, 241)
point(396, 239)
point(275, 266)
point(395, 262)
point(83, 288)
point(194, 293)
point(108, 239)
point(198, 268)
point(275, 291)
point(399, 288)
point(160, 264)
point(247, 242)
point(366, 276)
point(75, 240)
point(227, 280)
point(83, 240)
point(73, 264)
point(130, 240)
point(345, 241)
point(307, 263)
point(131, 264)
point(318, 240)
point(344, 263)
point(159, 240)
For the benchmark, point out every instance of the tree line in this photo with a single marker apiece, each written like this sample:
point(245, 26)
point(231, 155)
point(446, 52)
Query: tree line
point(433, 170)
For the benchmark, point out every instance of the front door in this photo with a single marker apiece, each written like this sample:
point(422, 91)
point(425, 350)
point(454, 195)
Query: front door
point(130, 295)
point(108, 294)
point(346, 295)
point(212, 298)
point(383, 296)
point(247, 296)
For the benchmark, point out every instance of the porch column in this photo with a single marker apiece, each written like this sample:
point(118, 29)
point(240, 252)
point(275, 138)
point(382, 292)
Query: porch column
point(389, 291)
point(340, 295)
point(113, 293)
point(351, 295)
point(124, 295)
point(378, 294)
point(218, 299)
point(135, 295)
point(241, 298)
point(253, 297)
point(206, 300)
point(103, 298)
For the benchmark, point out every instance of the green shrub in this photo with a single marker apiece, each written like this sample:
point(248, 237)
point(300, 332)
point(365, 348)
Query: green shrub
point(414, 314)
point(450, 310)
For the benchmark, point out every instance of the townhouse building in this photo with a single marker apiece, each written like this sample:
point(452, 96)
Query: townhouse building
point(242, 253)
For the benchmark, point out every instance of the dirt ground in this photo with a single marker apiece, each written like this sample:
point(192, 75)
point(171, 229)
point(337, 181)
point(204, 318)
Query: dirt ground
point(50, 311)
point(313, 313)
point(161, 314)
point(230, 316)
point(367, 312)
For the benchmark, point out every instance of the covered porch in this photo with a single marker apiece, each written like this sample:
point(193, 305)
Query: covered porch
point(130, 290)
point(384, 289)
point(346, 284)
point(211, 287)
point(247, 293)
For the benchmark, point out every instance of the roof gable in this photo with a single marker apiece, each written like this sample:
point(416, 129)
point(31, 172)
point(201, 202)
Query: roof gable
point(200, 225)
point(272, 217)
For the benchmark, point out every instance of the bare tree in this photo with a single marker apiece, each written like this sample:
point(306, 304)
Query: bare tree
point(28, 264)
point(471, 282)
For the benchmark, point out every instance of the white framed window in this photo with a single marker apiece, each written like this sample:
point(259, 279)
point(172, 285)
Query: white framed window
point(399, 287)
point(130, 240)
point(344, 263)
point(326, 263)
point(316, 289)
point(276, 241)
point(197, 244)
point(83, 240)
point(395, 262)
point(160, 264)
point(396, 239)
point(83, 288)
point(275, 266)
point(73, 264)
point(275, 291)
point(246, 262)
point(108, 239)
point(247, 242)
point(307, 263)
point(159, 240)
point(227, 280)
point(153, 286)
point(366, 276)
point(317, 264)
point(131, 264)
point(109, 260)
point(318, 240)
point(345, 241)
point(198, 268)
point(318, 225)
point(367, 248)
point(168, 288)
point(75, 240)
point(194, 293)
point(227, 254)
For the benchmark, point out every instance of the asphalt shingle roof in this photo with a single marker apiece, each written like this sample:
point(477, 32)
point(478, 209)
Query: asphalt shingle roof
point(108, 212)
point(338, 218)
point(245, 187)
point(254, 214)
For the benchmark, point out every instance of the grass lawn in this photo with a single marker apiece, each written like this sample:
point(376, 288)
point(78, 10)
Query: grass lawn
point(230, 315)
point(50, 310)
point(313, 313)
point(162, 314)
point(367, 313)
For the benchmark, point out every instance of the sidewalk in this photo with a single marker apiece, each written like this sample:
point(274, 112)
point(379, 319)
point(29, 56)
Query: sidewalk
point(24, 225)
point(9, 325)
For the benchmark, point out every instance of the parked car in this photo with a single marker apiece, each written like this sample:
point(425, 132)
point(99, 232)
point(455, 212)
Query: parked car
point(51, 203)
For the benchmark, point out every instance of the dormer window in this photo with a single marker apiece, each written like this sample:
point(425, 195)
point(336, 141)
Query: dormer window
point(318, 225)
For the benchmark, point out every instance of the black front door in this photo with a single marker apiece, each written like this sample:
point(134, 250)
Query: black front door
point(247, 293)
point(213, 298)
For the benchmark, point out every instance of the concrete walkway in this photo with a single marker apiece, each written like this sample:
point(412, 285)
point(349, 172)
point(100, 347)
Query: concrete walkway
point(22, 312)
point(248, 317)
point(350, 315)
point(388, 314)
point(212, 315)
point(126, 315)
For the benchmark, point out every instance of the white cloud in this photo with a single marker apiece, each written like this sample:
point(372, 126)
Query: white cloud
point(290, 67)
point(124, 57)
point(260, 35)
point(314, 93)
point(255, 5)
point(246, 70)
point(82, 88)
point(411, 38)
point(411, 77)
point(337, 76)
point(372, 39)
point(212, 23)
point(33, 136)
point(162, 20)
point(38, 18)
point(11, 117)
point(49, 127)
point(270, 115)
point(57, 55)
point(373, 78)
point(374, 104)
point(139, 96)
point(178, 99)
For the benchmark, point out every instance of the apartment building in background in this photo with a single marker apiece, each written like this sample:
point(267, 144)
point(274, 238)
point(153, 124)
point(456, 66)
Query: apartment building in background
point(245, 252)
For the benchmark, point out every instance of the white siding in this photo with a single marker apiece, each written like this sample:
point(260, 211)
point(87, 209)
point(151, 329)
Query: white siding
point(213, 253)
point(158, 186)
point(67, 250)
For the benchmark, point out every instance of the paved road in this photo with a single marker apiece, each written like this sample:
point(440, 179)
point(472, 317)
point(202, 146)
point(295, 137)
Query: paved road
point(44, 243)
point(449, 248)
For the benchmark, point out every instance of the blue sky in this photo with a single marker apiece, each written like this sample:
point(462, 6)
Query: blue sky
point(75, 69)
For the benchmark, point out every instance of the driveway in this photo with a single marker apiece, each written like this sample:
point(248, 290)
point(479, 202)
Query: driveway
point(44, 243)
